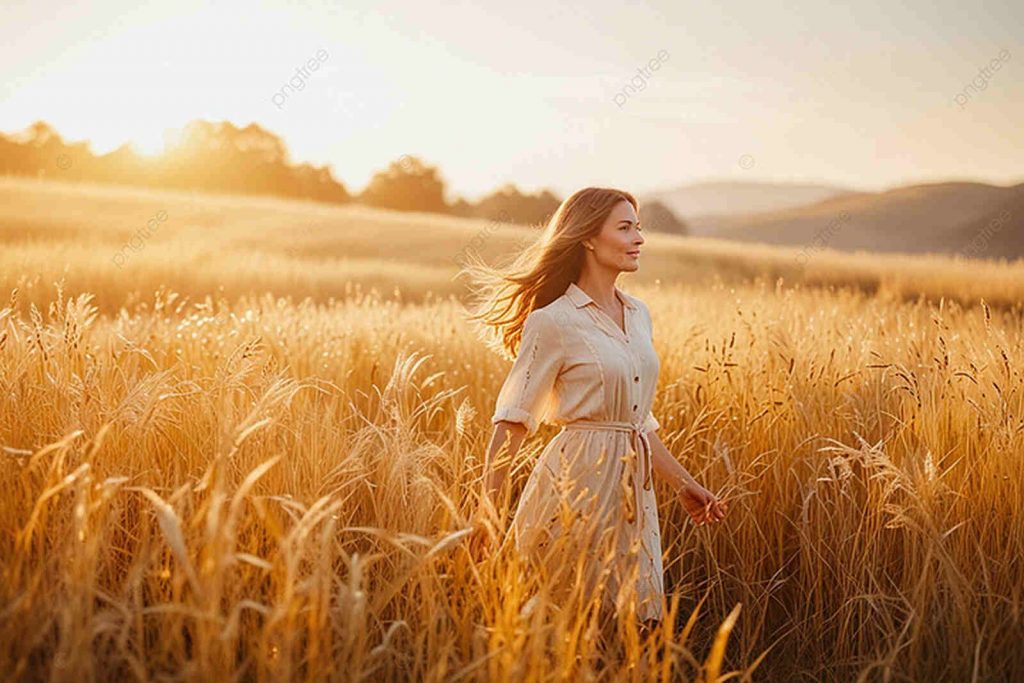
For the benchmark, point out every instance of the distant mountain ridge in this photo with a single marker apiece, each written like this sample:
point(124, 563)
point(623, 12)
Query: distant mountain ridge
point(696, 201)
point(939, 217)
point(975, 219)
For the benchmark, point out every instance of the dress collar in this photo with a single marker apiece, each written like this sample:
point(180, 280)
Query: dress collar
point(580, 298)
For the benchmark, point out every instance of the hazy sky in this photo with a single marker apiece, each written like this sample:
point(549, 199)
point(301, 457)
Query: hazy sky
point(862, 94)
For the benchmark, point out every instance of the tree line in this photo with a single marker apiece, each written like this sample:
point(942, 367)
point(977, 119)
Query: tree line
point(222, 157)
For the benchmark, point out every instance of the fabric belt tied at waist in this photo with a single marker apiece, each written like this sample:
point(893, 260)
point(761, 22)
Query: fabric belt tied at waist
point(641, 444)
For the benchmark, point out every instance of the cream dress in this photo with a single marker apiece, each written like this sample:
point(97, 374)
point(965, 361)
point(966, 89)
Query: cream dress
point(577, 369)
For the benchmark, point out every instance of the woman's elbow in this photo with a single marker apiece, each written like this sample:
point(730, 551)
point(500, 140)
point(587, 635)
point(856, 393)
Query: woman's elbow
point(517, 429)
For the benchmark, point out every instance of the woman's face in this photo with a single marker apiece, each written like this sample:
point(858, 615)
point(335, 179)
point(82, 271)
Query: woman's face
point(617, 246)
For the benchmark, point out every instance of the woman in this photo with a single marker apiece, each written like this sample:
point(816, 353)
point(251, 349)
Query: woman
point(584, 360)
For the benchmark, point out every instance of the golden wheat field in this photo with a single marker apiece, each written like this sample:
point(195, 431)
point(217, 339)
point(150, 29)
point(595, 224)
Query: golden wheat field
point(250, 452)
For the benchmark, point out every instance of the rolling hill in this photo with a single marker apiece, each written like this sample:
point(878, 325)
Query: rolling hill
point(939, 217)
point(699, 203)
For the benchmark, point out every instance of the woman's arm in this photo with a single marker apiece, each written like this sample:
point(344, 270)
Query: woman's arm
point(506, 439)
point(701, 504)
point(666, 466)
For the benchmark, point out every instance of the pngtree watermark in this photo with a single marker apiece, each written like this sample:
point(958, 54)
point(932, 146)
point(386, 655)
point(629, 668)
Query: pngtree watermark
point(639, 81)
point(979, 245)
point(478, 239)
point(822, 237)
point(137, 242)
point(980, 82)
point(298, 81)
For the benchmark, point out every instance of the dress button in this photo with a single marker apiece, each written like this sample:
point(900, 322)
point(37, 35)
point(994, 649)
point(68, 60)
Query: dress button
point(636, 379)
point(634, 407)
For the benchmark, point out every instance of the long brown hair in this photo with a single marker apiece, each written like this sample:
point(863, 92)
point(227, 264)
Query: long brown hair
point(542, 271)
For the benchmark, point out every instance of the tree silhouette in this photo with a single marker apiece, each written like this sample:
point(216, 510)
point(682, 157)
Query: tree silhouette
point(656, 216)
point(407, 184)
point(508, 203)
point(39, 150)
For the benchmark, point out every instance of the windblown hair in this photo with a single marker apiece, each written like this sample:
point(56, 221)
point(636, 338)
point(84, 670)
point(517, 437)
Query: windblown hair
point(542, 271)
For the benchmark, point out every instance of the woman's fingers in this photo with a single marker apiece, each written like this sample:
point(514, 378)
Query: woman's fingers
point(702, 516)
point(713, 511)
point(708, 508)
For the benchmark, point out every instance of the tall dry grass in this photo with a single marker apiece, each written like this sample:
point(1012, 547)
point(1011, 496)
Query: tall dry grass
point(264, 490)
point(213, 483)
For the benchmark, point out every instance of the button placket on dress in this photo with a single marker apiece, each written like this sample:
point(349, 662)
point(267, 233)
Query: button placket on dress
point(638, 438)
point(640, 442)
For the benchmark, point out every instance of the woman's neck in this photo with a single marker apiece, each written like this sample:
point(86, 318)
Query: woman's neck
point(600, 288)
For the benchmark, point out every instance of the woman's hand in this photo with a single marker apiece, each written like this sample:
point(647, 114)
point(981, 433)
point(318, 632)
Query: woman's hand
point(701, 504)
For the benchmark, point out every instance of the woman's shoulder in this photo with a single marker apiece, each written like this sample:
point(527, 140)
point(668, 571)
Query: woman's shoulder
point(558, 311)
point(547, 319)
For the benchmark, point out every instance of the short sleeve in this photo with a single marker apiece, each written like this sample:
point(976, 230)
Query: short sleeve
point(527, 392)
